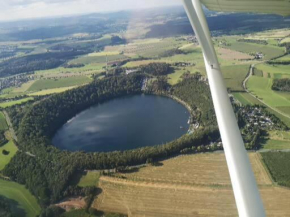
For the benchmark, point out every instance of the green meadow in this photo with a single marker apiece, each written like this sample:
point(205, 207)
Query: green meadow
point(91, 178)
point(22, 202)
point(59, 82)
point(5, 159)
point(3, 123)
point(15, 102)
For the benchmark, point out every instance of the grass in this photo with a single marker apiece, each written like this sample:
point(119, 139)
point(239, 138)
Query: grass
point(234, 76)
point(5, 159)
point(189, 185)
point(276, 144)
point(261, 87)
point(99, 59)
point(89, 68)
point(57, 83)
point(246, 99)
point(15, 102)
point(51, 91)
point(3, 123)
point(91, 178)
point(23, 203)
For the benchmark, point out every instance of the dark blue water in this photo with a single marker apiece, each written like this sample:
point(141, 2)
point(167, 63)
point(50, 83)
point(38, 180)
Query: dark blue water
point(124, 123)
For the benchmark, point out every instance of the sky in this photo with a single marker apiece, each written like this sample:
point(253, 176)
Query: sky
point(26, 9)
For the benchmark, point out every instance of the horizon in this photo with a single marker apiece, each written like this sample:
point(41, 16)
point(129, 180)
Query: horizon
point(18, 10)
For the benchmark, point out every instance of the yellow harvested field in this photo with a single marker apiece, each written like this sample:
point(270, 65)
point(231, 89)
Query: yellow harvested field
point(104, 53)
point(228, 54)
point(200, 169)
point(190, 185)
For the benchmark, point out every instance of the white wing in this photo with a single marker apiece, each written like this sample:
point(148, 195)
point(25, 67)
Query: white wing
point(281, 7)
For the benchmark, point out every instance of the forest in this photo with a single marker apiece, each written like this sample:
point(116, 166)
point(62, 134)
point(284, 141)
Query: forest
point(281, 84)
point(5, 209)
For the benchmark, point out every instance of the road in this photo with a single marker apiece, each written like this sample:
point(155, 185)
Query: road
point(261, 101)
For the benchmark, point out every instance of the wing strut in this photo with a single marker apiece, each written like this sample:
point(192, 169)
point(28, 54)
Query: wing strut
point(247, 196)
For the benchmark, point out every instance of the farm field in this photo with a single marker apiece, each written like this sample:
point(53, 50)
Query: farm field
point(51, 91)
point(234, 76)
point(91, 178)
point(278, 140)
point(23, 203)
point(5, 159)
point(89, 68)
point(58, 83)
point(15, 102)
point(278, 164)
point(276, 144)
point(190, 185)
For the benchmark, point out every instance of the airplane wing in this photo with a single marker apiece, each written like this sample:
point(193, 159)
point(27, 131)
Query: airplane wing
point(280, 7)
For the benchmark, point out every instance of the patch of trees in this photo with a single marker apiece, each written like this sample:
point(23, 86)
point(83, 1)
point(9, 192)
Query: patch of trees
point(5, 209)
point(35, 62)
point(286, 62)
point(281, 84)
point(157, 69)
point(256, 41)
point(117, 40)
point(197, 95)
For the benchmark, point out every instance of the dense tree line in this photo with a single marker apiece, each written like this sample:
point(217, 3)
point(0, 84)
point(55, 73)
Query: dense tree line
point(281, 84)
point(5, 209)
point(156, 69)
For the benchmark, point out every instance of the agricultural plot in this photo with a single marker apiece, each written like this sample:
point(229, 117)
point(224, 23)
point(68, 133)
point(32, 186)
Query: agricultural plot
point(192, 185)
point(261, 87)
point(276, 144)
point(51, 91)
point(60, 82)
point(11, 148)
point(278, 164)
point(99, 59)
point(246, 99)
point(87, 69)
point(23, 203)
point(277, 140)
point(234, 76)
point(91, 178)
point(15, 102)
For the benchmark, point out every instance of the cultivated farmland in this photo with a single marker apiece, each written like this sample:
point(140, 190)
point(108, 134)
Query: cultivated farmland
point(58, 83)
point(191, 185)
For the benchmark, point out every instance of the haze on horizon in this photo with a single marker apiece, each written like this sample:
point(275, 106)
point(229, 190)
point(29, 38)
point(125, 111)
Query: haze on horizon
point(11, 10)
